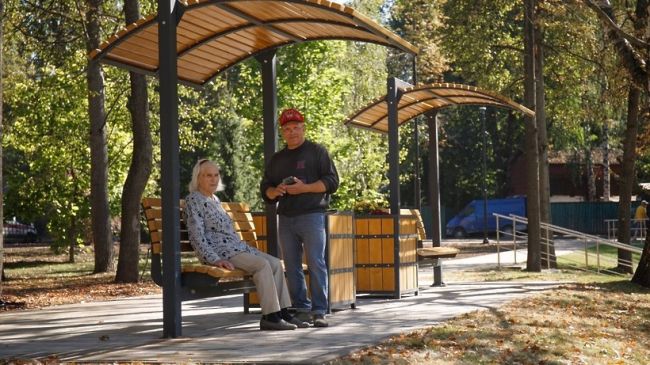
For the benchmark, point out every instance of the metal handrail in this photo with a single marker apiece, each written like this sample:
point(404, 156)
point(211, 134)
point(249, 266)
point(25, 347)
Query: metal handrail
point(552, 230)
point(637, 228)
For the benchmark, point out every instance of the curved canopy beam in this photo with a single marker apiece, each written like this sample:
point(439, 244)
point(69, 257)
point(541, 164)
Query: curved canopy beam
point(214, 35)
point(420, 99)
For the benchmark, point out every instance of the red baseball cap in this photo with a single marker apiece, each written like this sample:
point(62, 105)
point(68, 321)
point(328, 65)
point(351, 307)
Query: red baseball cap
point(291, 115)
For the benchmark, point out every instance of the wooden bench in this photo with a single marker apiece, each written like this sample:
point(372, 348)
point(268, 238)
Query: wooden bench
point(429, 255)
point(199, 280)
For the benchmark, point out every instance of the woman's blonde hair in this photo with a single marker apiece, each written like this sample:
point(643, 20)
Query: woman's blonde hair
point(194, 183)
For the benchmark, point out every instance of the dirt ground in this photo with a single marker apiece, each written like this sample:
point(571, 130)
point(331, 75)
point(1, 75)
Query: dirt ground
point(35, 277)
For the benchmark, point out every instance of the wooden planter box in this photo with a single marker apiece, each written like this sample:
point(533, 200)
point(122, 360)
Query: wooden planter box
point(386, 265)
point(340, 260)
point(339, 257)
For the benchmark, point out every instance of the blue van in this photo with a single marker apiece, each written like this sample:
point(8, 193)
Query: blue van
point(470, 219)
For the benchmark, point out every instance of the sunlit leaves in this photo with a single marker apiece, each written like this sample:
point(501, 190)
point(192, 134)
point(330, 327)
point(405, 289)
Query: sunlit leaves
point(419, 22)
point(46, 140)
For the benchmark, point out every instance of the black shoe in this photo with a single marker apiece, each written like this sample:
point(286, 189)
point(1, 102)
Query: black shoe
point(319, 320)
point(282, 325)
point(298, 322)
point(304, 317)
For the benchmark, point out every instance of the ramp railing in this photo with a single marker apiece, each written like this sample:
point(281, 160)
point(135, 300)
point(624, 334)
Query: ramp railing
point(564, 240)
point(637, 228)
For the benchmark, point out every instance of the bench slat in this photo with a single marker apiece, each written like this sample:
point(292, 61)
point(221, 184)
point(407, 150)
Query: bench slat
point(244, 225)
point(236, 206)
point(438, 252)
point(151, 202)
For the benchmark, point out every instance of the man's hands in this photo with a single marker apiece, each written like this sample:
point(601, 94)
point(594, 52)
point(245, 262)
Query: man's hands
point(298, 187)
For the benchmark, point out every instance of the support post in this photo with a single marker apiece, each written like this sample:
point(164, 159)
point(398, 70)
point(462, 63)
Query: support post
point(484, 143)
point(267, 61)
point(169, 145)
point(416, 137)
point(434, 192)
point(392, 98)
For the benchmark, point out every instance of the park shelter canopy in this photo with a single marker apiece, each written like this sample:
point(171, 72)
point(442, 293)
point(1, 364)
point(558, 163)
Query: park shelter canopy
point(417, 100)
point(213, 35)
point(404, 102)
point(191, 42)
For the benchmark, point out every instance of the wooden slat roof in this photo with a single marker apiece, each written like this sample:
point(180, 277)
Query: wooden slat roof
point(420, 99)
point(214, 35)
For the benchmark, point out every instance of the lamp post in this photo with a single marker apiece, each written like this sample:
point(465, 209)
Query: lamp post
point(485, 217)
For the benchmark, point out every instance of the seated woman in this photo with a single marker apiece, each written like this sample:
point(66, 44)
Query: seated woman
point(215, 241)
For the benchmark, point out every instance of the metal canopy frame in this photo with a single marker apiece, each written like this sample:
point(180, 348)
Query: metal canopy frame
point(191, 42)
point(404, 102)
point(214, 35)
point(418, 100)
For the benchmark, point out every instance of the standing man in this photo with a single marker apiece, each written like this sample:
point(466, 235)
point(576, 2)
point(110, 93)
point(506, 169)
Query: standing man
point(300, 178)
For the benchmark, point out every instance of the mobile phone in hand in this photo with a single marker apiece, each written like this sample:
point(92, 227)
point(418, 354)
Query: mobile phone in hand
point(289, 180)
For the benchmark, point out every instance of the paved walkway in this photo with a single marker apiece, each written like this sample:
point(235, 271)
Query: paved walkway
point(216, 330)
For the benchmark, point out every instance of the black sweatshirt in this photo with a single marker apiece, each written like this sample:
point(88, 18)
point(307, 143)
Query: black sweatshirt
point(310, 162)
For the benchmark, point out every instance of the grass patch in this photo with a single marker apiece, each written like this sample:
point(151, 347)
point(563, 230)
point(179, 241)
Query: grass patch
point(564, 273)
point(602, 258)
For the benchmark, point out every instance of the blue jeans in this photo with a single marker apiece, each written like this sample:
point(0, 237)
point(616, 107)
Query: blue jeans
point(305, 231)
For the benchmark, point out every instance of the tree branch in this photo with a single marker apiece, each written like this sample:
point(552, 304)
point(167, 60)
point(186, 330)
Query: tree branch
point(607, 19)
point(630, 57)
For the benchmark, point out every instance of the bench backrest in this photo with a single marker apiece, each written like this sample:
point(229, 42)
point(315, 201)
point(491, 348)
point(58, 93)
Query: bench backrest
point(422, 234)
point(239, 212)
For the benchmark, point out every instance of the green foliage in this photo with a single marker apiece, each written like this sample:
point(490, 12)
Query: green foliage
point(46, 103)
point(46, 177)
point(461, 164)
point(46, 138)
point(371, 202)
point(482, 41)
point(418, 21)
point(210, 127)
point(325, 80)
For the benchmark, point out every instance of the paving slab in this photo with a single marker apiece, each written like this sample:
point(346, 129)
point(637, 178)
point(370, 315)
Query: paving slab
point(216, 330)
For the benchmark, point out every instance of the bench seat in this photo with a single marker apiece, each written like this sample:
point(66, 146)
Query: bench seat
point(437, 252)
point(215, 272)
point(198, 280)
point(434, 256)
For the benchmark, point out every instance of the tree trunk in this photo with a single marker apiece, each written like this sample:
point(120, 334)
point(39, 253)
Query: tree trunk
point(2, 254)
point(606, 174)
point(627, 180)
point(100, 213)
point(533, 262)
point(73, 224)
point(642, 273)
point(591, 177)
point(139, 170)
point(636, 68)
point(548, 259)
point(72, 235)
